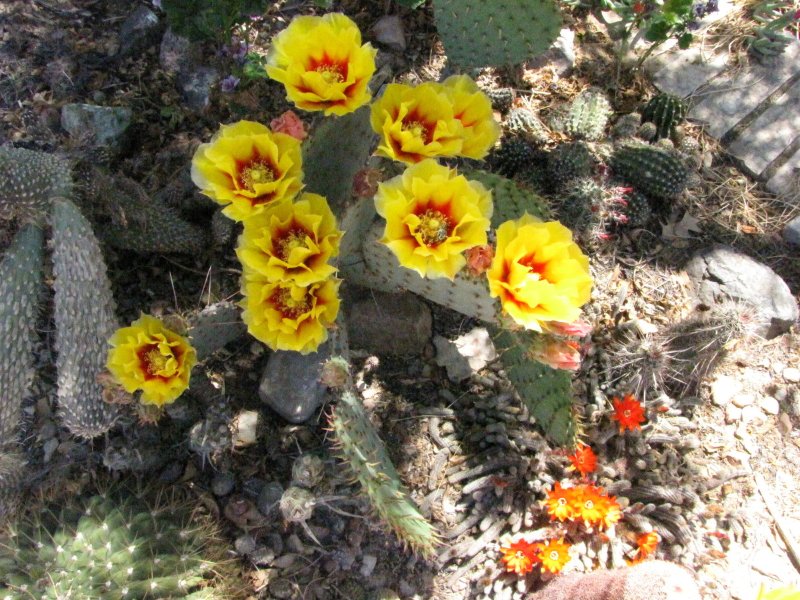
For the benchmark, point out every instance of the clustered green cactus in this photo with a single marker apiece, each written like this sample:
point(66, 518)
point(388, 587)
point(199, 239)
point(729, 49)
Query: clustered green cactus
point(652, 171)
point(479, 33)
point(588, 116)
point(666, 112)
point(569, 161)
point(116, 545)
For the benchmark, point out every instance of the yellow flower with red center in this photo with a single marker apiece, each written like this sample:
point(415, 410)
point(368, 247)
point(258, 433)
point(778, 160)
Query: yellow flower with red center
point(291, 241)
point(415, 123)
point(286, 316)
point(474, 110)
point(583, 460)
point(561, 503)
point(149, 357)
point(539, 273)
point(322, 64)
point(246, 167)
point(554, 555)
point(629, 413)
point(519, 557)
point(432, 216)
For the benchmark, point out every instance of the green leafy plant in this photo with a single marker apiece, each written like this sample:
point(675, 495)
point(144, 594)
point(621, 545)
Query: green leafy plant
point(777, 23)
point(210, 19)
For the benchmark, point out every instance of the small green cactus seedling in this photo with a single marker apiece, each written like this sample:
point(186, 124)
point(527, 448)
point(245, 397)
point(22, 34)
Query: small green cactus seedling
point(588, 116)
point(568, 162)
point(116, 545)
point(523, 123)
point(501, 98)
point(652, 171)
point(666, 112)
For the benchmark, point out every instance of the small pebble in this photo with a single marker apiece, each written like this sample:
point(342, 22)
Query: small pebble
point(269, 497)
point(223, 484)
point(770, 405)
point(245, 544)
point(252, 487)
point(742, 400)
point(283, 588)
point(368, 563)
point(294, 544)
point(791, 375)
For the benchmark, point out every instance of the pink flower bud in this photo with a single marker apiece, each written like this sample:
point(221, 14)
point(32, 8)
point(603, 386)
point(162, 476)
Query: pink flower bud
point(576, 328)
point(290, 124)
point(558, 354)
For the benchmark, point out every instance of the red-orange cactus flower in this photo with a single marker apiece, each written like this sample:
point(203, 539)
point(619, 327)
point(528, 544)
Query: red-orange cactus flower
point(594, 507)
point(583, 460)
point(629, 412)
point(560, 503)
point(519, 557)
point(554, 555)
point(647, 543)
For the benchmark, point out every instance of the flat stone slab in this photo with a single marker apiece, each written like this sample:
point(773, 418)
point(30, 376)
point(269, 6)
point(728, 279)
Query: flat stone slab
point(684, 72)
point(770, 134)
point(786, 180)
point(727, 101)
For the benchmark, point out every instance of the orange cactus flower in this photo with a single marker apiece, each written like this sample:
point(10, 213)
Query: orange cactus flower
point(519, 557)
point(629, 412)
point(595, 508)
point(647, 543)
point(584, 460)
point(560, 503)
point(612, 512)
point(554, 555)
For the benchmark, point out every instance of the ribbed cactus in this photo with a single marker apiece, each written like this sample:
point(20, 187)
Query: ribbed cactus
point(12, 476)
point(116, 546)
point(514, 155)
point(652, 171)
point(510, 200)
point(568, 162)
point(523, 123)
point(501, 98)
point(20, 284)
point(666, 112)
point(364, 452)
point(588, 116)
point(546, 392)
point(29, 180)
point(481, 33)
point(650, 580)
point(84, 317)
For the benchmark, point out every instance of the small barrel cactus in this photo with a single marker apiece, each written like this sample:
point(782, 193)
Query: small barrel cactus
point(638, 210)
point(626, 126)
point(666, 112)
point(588, 116)
point(116, 545)
point(568, 162)
point(501, 98)
point(523, 123)
point(515, 154)
point(652, 171)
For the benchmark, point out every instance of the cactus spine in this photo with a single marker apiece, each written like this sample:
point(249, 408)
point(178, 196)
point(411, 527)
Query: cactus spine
point(588, 116)
point(29, 180)
point(666, 112)
point(364, 452)
point(84, 316)
point(568, 162)
point(20, 283)
point(654, 172)
point(477, 33)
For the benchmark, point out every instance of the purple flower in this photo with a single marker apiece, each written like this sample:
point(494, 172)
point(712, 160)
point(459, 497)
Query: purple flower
point(229, 84)
point(157, 4)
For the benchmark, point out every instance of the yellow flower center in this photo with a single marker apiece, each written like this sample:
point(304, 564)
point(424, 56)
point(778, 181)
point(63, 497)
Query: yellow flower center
point(293, 238)
point(535, 266)
point(330, 73)
point(562, 501)
point(417, 129)
point(254, 173)
point(626, 413)
point(554, 555)
point(434, 227)
point(153, 362)
point(589, 505)
point(289, 307)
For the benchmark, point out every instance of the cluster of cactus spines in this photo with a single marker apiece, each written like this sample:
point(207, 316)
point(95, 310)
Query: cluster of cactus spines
point(20, 285)
point(638, 210)
point(588, 116)
point(363, 451)
point(501, 98)
point(666, 112)
point(515, 154)
point(12, 476)
point(654, 172)
point(84, 317)
point(476, 33)
point(116, 546)
point(650, 580)
point(29, 180)
point(546, 392)
point(568, 162)
point(521, 122)
point(647, 131)
point(215, 326)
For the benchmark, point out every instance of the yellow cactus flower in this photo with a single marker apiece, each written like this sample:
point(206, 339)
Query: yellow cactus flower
point(474, 109)
point(286, 316)
point(322, 64)
point(246, 167)
point(149, 357)
point(416, 123)
point(432, 216)
point(292, 241)
point(539, 273)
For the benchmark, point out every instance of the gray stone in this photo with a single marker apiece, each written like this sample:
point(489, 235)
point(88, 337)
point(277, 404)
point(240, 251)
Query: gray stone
point(683, 73)
point(723, 389)
point(786, 181)
point(732, 97)
point(770, 134)
point(791, 232)
point(466, 354)
point(770, 405)
point(388, 30)
point(195, 86)
point(385, 323)
point(722, 272)
point(223, 484)
point(742, 400)
point(175, 53)
point(138, 31)
point(560, 55)
point(244, 544)
point(290, 384)
point(732, 413)
point(791, 375)
point(269, 497)
point(104, 125)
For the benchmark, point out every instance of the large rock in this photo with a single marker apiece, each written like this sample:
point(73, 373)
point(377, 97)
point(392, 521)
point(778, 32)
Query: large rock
point(791, 232)
point(138, 31)
point(723, 273)
point(385, 323)
point(104, 125)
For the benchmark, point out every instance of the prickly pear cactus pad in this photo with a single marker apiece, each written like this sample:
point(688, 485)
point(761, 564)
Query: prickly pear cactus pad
point(477, 33)
point(29, 180)
point(113, 546)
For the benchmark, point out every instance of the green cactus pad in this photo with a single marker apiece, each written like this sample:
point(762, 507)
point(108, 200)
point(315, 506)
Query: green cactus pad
point(115, 546)
point(655, 172)
point(477, 33)
point(84, 316)
point(29, 180)
point(20, 283)
point(588, 116)
point(364, 452)
point(510, 200)
point(546, 392)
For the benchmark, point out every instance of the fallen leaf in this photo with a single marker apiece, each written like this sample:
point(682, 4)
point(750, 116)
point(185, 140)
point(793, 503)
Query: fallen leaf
point(682, 229)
